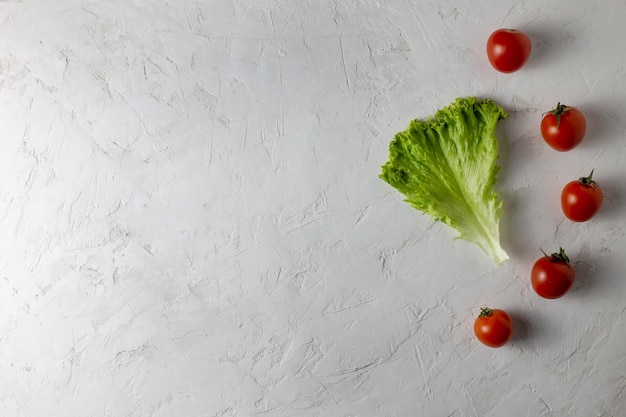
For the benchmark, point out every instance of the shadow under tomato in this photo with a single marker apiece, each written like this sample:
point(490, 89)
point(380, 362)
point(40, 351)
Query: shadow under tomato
point(585, 276)
point(604, 122)
point(530, 330)
point(596, 275)
point(613, 202)
point(552, 41)
point(546, 44)
point(522, 330)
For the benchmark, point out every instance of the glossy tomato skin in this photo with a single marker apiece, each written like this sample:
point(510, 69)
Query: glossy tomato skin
point(563, 128)
point(493, 327)
point(581, 199)
point(508, 49)
point(552, 276)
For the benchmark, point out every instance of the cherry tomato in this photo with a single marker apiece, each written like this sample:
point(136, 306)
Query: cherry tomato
point(493, 327)
point(552, 276)
point(581, 199)
point(508, 49)
point(563, 127)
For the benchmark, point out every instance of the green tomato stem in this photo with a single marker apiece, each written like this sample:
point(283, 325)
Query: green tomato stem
point(588, 180)
point(559, 256)
point(558, 111)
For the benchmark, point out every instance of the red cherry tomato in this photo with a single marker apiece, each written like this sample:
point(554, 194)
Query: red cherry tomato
point(493, 327)
point(508, 49)
point(581, 199)
point(563, 128)
point(552, 276)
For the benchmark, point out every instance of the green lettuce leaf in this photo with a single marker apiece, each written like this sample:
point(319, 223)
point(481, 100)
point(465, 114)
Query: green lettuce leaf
point(446, 167)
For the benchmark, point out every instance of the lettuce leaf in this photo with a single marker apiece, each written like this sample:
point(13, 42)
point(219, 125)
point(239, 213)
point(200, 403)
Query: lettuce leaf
point(446, 167)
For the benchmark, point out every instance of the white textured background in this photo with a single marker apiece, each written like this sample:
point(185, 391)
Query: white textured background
point(192, 223)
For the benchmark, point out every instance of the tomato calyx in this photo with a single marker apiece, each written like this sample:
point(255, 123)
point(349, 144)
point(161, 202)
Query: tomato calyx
point(559, 256)
point(588, 180)
point(485, 312)
point(559, 111)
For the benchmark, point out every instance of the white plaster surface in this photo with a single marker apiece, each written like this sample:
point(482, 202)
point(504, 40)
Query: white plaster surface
point(192, 222)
